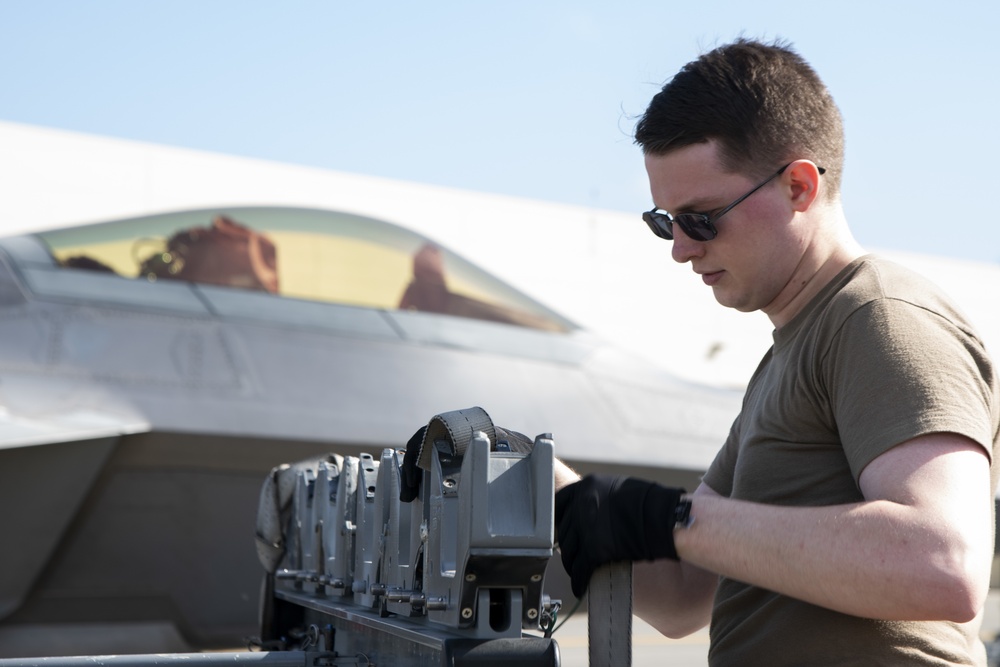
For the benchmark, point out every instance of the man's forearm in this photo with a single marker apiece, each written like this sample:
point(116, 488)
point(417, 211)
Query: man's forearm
point(673, 597)
point(874, 559)
point(564, 475)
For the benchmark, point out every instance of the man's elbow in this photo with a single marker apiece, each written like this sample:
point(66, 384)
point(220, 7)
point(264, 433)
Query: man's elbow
point(962, 605)
point(967, 600)
point(674, 627)
point(958, 593)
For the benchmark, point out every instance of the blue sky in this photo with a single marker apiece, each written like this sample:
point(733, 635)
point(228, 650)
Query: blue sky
point(532, 99)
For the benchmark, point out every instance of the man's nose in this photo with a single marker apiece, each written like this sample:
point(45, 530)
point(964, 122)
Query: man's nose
point(685, 248)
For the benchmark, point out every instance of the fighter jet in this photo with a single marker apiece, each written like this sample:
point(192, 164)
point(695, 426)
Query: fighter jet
point(154, 369)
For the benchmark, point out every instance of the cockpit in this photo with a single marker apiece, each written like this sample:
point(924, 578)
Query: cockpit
point(313, 255)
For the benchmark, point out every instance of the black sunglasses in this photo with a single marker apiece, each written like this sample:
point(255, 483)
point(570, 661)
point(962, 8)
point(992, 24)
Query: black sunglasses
point(698, 226)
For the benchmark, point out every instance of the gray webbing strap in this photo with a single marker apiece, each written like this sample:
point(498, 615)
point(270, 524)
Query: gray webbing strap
point(456, 427)
point(609, 616)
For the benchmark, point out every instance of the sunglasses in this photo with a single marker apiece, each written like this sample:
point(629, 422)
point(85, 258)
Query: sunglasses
point(698, 226)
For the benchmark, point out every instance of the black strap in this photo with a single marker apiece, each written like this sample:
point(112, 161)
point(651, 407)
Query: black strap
point(455, 428)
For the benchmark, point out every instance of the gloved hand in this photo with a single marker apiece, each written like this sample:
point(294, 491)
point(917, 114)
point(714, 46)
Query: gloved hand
point(602, 519)
point(410, 476)
point(506, 441)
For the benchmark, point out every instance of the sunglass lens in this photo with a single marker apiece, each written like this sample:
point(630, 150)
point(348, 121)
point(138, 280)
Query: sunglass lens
point(697, 227)
point(659, 224)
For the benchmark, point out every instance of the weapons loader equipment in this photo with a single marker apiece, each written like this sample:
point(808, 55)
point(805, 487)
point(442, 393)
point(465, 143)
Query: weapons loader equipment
point(452, 578)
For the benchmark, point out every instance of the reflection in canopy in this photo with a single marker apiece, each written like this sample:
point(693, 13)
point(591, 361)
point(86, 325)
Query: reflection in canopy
point(300, 253)
point(224, 253)
point(429, 292)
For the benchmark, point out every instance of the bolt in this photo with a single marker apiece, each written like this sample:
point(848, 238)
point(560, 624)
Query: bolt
point(532, 614)
point(536, 578)
point(470, 576)
point(467, 612)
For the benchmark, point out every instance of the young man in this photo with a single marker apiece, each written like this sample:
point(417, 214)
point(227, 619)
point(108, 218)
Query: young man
point(848, 518)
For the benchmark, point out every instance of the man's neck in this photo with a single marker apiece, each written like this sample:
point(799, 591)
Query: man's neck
point(826, 258)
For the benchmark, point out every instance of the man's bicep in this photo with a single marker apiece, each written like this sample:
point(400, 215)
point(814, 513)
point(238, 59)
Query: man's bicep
point(934, 494)
point(940, 472)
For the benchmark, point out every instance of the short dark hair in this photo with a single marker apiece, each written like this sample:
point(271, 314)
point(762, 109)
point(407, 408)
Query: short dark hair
point(763, 103)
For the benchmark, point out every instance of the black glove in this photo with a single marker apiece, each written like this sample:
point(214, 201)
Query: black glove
point(410, 475)
point(409, 488)
point(602, 519)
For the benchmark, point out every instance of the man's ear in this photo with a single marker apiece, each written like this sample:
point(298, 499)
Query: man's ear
point(803, 180)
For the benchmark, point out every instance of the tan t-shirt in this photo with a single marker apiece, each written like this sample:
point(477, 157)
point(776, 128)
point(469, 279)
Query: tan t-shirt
point(878, 357)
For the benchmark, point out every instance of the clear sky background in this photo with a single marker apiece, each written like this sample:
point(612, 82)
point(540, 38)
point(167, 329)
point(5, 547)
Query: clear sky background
point(526, 98)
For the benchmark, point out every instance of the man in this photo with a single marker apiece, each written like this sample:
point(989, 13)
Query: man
point(848, 517)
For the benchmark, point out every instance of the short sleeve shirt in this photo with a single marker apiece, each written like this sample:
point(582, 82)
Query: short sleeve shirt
point(880, 356)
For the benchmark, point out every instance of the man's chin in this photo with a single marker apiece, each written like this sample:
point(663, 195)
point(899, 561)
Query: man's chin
point(732, 301)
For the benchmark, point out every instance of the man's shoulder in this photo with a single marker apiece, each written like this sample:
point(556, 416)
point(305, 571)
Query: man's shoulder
point(879, 277)
point(888, 296)
point(872, 278)
point(875, 290)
